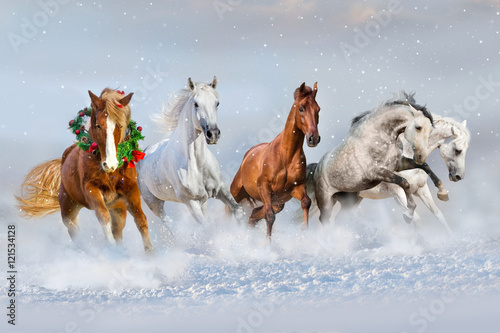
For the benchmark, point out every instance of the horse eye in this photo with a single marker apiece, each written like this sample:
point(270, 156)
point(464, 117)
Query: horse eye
point(458, 151)
point(301, 109)
point(98, 126)
point(218, 104)
point(195, 105)
point(418, 128)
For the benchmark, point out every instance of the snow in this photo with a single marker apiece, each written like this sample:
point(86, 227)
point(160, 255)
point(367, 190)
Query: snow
point(376, 275)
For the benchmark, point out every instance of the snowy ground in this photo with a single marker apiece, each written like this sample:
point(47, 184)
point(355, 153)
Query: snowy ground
point(375, 275)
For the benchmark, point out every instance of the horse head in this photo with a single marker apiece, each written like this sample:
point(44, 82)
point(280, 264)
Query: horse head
point(307, 117)
point(108, 122)
point(453, 152)
point(417, 132)
point(205, 101)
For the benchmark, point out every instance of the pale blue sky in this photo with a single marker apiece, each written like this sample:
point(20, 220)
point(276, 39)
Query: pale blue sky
point(259, 50)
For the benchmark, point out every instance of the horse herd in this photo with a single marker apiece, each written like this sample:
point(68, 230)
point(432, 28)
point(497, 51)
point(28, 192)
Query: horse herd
point(382, 156)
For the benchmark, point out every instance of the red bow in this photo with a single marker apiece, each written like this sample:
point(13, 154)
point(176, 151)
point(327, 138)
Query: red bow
point(136, 156)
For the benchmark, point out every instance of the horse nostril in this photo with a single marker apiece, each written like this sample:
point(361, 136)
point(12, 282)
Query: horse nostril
point(319, 138)
point(105, 165)
point(458, 177)
point(209, 134)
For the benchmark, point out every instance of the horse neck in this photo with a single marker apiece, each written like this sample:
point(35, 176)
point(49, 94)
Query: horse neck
point(292, 136)
point(394, 122)
point(441, 132)
point(191, 141)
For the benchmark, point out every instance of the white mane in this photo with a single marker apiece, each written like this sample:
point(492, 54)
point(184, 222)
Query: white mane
point(167, 120)
point(462, 133)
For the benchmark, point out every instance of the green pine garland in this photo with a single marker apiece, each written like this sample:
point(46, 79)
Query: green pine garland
point(84, 141)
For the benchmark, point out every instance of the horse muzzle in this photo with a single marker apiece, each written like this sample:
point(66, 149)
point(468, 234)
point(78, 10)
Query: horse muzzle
point(107, 168)
point(313, 140)
point(419, 157)
point(455, 177)
point(212, 135)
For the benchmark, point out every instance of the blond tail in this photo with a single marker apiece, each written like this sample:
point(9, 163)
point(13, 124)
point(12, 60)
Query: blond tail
point(39, 191)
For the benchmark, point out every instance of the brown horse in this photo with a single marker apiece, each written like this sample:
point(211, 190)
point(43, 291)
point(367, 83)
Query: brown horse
point(275, 172)
point(91, 180)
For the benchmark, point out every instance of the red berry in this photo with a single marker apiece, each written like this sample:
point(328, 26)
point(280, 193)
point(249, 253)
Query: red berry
point(77, 132)
point(93, 146)
point(139, 129)
point(71, 122)
point(81, 114)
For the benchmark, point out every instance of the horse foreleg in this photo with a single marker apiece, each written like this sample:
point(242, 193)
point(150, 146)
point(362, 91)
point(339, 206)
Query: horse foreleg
point(135, 209)
point(299, 192)
point(409, 163)
point(227, 198)
point(325, 201)
point(257, 214)
point(118, 212)
point(96, 203)
point(195, 207)
point(69, 213)
point(265, 193)
point(425, 195)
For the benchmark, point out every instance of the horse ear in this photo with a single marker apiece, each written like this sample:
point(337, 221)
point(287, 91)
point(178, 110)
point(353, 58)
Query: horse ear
point(214, 82)
point(126, 100)
point(464, 123)
point(315, 89)
point(190, 84)
point(302, 88)
point(96, 101)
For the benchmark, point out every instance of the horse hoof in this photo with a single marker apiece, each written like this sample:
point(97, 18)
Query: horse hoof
point(443, 196)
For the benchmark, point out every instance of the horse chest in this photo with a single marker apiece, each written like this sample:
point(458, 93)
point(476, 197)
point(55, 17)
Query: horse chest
point(286, 179)
point(113, 188)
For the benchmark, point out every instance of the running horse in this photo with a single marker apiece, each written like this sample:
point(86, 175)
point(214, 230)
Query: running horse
point(95, 178)
point(275, 172)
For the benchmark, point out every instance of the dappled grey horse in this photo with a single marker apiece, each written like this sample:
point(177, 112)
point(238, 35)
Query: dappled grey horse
point(370, 155)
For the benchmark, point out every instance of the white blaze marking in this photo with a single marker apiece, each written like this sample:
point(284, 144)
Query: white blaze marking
point(111, 160)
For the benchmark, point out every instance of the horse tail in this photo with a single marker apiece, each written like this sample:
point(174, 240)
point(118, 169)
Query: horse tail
point(298, 215)
point(39, 191)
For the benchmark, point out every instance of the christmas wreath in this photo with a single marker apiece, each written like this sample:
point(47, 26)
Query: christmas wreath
point(128, 150)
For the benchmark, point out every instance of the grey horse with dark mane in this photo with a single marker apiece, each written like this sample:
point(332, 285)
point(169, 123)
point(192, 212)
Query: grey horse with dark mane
point(369, 155)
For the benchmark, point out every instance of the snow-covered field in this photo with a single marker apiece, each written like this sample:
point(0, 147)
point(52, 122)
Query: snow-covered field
point(375, 275)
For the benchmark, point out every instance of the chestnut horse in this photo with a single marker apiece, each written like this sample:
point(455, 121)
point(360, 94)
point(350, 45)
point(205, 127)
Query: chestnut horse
point(275, 172)
point(91, 180)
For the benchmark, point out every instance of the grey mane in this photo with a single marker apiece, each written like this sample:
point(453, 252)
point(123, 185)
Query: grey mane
point(399, 98)
point(359, 117)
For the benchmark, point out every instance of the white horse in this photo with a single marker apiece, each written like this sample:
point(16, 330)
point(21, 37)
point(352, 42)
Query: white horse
point(369, 155)
point(451, 138)
point(453, 153)
point(180, 168)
